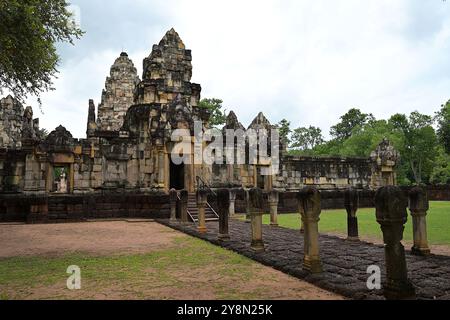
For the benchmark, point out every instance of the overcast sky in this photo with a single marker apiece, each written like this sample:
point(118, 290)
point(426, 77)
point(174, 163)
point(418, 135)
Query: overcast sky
point(308, 61)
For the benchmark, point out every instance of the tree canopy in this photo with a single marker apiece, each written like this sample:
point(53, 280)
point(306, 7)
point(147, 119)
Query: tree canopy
point(29, 30)
point(218, 113)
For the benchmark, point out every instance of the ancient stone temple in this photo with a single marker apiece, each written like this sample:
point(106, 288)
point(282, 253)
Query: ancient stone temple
point(128, 144)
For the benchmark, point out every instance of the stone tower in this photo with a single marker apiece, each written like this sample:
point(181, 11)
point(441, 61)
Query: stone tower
point(167, 73)
point(118, 94)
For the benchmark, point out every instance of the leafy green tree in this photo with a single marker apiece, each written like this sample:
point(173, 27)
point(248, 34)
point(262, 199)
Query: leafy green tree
point(306, 138)
point(29, 30)
point(420, 143)
point(441, 168)
point(365, 139)
point(218, 113)
point(443, 122)
point(285, 131)
point(349, 121)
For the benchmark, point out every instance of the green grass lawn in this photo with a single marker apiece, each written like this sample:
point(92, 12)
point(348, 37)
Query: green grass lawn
point(187, 269)
point(335, 221)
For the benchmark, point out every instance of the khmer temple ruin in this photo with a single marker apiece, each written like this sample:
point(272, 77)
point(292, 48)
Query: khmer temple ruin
point(128, 146)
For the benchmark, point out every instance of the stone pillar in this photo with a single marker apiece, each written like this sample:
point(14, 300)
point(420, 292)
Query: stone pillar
point(309, 201)
point(391, 214)
point(418, 205)
point(233, 193)
point(202, 200)
point(351, 203)
point(183, 206)
point(223, 203)
point(273, 204)
point(173, 195)
point(247, 206)
point(256, 212)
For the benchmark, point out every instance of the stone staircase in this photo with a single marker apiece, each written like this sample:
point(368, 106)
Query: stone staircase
point(210, 213)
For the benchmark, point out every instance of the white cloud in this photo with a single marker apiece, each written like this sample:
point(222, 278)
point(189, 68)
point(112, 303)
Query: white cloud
point(307, 61)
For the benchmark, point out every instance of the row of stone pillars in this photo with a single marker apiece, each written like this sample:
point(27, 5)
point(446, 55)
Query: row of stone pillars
point(418, 205)
point(391, 214)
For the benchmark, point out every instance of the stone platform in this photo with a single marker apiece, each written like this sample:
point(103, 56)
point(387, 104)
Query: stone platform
point(345, 263)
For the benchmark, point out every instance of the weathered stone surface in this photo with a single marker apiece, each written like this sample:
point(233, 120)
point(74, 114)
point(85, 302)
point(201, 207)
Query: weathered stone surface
point(384, 161)
point(173, 196)
point(256, 213)
point(391, 214)
point(309, 202)
point(273, 198)
point(16, 124)
point(351, 203)
point(223, 204)
point(118, 94)
point(184, 196)
point(202, 201)
point(418, 205)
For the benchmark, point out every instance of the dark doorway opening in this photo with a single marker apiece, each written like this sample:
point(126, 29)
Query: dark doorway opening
point(260, 179)
point(176, 176)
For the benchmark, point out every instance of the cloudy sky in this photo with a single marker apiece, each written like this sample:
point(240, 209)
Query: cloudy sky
point(308, 61)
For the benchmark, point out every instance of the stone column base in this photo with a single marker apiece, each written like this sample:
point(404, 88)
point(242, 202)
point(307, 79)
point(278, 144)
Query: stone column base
point(273, 224)
point(223, 237)
point(313, 266)
point(201, 229)
point(420, 251)
point(257, 245)
point(353, 239)
point(399, 291)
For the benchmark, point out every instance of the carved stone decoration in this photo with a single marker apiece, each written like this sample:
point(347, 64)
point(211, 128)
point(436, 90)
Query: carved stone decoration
point(384, 160)
point(59, 139)
point(391, 214)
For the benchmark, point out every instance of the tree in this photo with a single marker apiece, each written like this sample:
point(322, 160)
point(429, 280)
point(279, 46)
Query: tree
point(365, 139)
point(29, 30)
point(284, 131)
point(420, 142)
point(218, 116)
point(306, 138)
point(349, 121)
point(443, 122)
point(441, 168)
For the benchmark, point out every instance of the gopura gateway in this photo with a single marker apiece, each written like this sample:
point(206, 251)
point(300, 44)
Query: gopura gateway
point(128, 143)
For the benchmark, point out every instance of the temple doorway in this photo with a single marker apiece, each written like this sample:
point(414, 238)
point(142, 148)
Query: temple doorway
point(176, 176)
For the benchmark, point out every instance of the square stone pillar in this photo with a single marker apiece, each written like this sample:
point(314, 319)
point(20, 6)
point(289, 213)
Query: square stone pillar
point(418, 205)
point(391, 214)
point(273, 204)
point(223, 203)
point(202, 201)
point(310, 202)
point(256, 210)
point(351, 203)
point(233, 193)
point(184, 197)
point(173, 196)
